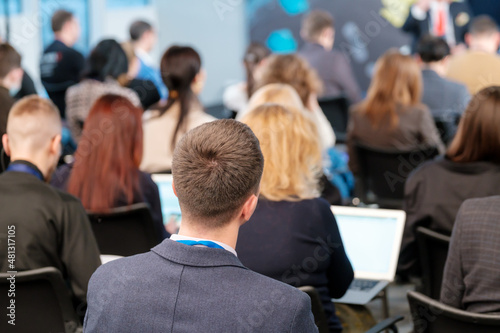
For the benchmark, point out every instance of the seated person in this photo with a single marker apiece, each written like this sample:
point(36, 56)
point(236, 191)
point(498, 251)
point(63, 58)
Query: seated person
point(334, 69)
point(392, 115)
point(52, 228)
point(106, 173)
point(166, 123)
point(291, 222)
point(470, 169)
point(471, 280)
point(446, 99)
point(105, 65)
point(195, 282)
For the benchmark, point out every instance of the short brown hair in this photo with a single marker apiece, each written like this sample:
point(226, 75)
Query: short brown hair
point(216, 167)
point(314, 23)
point(478, 137)
point(293, 70)
point(59, 18)
point(9, 59)
point(483, 24)
point(138, 28)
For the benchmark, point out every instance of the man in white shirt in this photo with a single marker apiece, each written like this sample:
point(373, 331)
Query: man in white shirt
point(441, 18)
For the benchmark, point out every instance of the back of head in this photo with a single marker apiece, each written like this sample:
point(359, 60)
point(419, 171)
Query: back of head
point(292, 151)
point(216, 167)
point(59, 19)
point(483, 35)
point(432, 49)
point(112, 140)
point(138, 28)
point(314, 24)
point(9, 60)
point(255, 53)
point(107, 60)
point(397, 82)
point(483, 25)
point(292, 70)
point(276, 93)
point(478, 135)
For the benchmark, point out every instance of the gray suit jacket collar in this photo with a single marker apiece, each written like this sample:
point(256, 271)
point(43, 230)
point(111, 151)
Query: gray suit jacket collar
point(196, 256)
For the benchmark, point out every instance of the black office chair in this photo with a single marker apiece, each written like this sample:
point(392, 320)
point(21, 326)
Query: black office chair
point(432, 253)
point(42, 303)
point(388, 324)
point(219, 111)
point(125, 231)
point(383, 173)
point(336, 110)
point(317, 308)
point(431, 316)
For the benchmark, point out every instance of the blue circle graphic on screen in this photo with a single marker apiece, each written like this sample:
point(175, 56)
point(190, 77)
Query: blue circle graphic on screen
point(282, 41)
point(295, 7)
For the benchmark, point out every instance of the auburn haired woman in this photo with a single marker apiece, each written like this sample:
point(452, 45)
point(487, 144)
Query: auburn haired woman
point(392, 115)
point(470, 169)
point(105, 173)
point(291, 221)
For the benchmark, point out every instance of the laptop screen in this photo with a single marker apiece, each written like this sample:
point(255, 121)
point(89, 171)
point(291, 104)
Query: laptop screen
point(170, 208)
point(371, 241)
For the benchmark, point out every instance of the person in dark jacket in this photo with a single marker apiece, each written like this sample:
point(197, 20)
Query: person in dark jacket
point(470, 169)
point(293, 236)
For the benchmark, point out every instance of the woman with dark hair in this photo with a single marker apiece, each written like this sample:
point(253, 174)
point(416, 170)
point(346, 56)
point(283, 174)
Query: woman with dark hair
point(236, 97)
point(106, 64)
point(470, 169)
point(167, 122)
point(106, 173)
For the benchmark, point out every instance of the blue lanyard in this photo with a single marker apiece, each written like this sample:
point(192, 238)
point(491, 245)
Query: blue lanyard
point(204, 243)
point(17, 167)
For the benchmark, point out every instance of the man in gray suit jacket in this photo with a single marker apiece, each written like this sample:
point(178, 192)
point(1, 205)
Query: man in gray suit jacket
point(446, 99)
point(194, 282)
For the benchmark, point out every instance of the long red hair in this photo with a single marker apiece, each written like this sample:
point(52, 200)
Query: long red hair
point(107, 160)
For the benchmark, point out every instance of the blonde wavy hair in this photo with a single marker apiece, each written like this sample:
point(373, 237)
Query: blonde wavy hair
point(292, 152)
point(292, 70)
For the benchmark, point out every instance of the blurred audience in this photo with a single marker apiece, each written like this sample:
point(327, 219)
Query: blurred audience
point(106, 64)
point(143, 38)
point(446, 99)
point(441, 18)
point(117, 153)
point(318, 31)
point(167, 122)
point(470, 169)
point(290, 214)
point(471, 280)
point(392, 115)
point(479, 67)
point(145, 89)
point(61, 65)
point(52, 228)
point(236, 97)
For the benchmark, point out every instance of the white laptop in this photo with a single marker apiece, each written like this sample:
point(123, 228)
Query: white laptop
point(372, 239)
point(170, 208)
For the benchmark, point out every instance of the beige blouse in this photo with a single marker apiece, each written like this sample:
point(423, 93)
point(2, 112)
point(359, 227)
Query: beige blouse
point(158, 133)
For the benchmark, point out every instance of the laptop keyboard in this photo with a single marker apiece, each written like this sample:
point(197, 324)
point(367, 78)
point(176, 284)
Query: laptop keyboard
point(363, 285)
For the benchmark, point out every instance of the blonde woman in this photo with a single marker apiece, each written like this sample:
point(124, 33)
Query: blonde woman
point(291, 221)
point(392, 115)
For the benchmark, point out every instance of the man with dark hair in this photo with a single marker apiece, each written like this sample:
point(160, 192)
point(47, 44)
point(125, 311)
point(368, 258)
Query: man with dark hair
point(446, 99)
point(11, 76)
point(143, 38)
point(194, 282)
point(51, 227)
point(479, 67)
point(61, 65)
point(318, 32)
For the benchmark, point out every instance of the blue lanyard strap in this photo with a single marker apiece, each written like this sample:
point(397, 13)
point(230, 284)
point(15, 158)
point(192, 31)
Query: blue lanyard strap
point(203, 243)
point(17, 167)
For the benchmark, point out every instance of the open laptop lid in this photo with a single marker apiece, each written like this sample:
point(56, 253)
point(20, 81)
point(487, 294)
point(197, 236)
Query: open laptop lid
point(372, 240)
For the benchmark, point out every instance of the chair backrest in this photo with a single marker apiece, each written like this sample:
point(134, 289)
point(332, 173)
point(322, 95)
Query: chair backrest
point(431, 316)
point(125, 231)
point(336, 110)
point(317, 308)
point(384, 172)
point(42, 302)
point(432, 253)
point(447, 128)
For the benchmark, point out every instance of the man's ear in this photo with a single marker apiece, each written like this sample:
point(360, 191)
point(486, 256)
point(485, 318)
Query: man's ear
point(249, 207)
point(55, 145)
point(468, 39)
point(173, 188)
point(5, 143)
